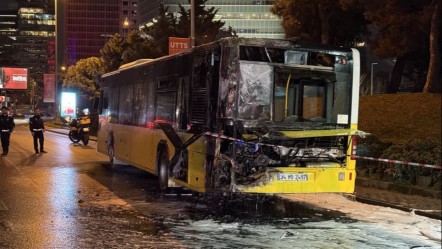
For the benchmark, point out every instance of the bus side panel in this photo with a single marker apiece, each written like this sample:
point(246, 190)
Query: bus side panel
point(122, 135)
point(102, 136)
point(197, 162)
point(143, 152)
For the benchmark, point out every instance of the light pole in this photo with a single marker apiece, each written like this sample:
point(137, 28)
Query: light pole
point(192, 23)
point(60, 51)
point(371, 78)
point(57, 55)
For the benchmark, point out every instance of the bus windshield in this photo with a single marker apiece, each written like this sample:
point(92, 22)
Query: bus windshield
point(295, 96)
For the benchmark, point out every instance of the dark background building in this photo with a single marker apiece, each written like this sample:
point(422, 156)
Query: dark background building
point(249, 18)
point(86, 27)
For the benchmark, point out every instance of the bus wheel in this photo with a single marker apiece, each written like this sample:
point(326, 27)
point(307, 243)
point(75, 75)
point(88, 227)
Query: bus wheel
point(163, 170)
point(111, 154)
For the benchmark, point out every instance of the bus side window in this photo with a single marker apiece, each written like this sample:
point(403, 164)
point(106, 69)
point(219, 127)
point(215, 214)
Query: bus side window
point(165, 107)
point(101, 102)
point(183, 105)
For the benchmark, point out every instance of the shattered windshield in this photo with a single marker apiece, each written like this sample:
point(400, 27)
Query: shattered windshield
point(296, 94)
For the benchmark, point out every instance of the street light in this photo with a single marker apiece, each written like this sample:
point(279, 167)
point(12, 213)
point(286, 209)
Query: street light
point(125, 27)
point(371, 83)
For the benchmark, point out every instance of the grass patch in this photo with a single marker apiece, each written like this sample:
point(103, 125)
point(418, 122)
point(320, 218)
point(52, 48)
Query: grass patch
point(397, 118)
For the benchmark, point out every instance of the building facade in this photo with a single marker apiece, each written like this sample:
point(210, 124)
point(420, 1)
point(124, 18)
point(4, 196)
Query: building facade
point(86, 27)
point(249, 18)
point(35, 38)
point(29, 28)
point(129, 16)
point(8, 17)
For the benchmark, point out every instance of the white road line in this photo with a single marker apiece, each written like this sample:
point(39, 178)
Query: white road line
point(13, 164)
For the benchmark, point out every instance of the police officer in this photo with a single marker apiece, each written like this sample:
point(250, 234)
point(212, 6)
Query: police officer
point(37, 128)
point(7, 125)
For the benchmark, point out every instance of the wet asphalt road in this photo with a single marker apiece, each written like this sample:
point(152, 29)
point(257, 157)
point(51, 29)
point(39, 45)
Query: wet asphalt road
point(70, 198)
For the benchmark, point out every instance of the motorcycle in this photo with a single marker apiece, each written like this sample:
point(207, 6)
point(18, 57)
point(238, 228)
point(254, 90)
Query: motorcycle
point(79, 130)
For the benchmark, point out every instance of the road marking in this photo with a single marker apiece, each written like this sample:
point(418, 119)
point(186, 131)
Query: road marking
point(13, 164)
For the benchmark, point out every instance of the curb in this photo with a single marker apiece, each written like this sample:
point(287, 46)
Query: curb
point(428, 214)
point(404, 189)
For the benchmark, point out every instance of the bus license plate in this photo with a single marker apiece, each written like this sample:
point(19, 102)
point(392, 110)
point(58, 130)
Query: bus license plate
point(292, 177)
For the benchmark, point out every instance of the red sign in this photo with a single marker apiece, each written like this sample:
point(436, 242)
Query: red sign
point(13, 78)
point(177, 44)
point(49, 88)
point(2, 98)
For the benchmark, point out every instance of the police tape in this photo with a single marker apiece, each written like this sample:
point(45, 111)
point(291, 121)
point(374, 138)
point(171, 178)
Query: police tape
point(397, 162)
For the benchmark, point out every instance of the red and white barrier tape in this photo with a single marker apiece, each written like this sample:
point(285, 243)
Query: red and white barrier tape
point(397, 162)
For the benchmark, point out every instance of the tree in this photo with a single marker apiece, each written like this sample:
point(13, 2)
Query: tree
point(137, 47)
point(33, 92)
point(326, 22)
point(206, 28)
point(167, 25)
point(111, 53)
point(84, 76)
point(162, 29)
point(433, 82)
point(403, 34)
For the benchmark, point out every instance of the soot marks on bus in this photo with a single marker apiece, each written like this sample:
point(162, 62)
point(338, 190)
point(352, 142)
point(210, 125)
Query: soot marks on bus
point(271, 91)
point(247, 163)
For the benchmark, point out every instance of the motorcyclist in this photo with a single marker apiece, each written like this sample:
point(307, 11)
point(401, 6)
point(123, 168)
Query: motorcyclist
point(80, 128)
point(7, 126)
point(85, 114)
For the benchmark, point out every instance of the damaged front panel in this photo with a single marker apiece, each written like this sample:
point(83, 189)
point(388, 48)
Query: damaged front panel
point(271, 97)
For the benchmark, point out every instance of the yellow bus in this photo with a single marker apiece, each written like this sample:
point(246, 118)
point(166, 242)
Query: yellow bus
point(237, 115)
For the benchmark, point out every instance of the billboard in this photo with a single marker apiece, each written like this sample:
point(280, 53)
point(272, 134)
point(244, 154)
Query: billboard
point(13, 78)
point(177, 44)
point(49, 88)
point(68, 104)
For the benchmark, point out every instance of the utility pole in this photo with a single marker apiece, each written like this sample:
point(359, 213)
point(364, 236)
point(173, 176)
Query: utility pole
point(192, 23)
point(57, 62)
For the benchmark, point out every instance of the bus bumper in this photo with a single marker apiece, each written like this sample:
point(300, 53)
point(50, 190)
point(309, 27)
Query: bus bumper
point(302, 180)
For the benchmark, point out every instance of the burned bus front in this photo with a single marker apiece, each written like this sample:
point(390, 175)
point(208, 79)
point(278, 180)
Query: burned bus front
point(287, 119)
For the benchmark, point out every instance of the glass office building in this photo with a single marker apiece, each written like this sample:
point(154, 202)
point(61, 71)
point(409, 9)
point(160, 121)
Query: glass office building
point(249, 18)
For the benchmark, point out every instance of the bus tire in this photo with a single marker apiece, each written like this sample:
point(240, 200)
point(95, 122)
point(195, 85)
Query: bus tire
point(163, 170)
point(111, 154)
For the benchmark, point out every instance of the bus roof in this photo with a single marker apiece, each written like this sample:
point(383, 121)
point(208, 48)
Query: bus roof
point(238, 41)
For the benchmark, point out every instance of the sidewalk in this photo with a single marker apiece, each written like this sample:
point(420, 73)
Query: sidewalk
point(421, 205)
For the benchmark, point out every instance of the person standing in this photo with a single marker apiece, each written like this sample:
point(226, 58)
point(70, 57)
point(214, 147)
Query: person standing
point(37, 128)
point(7, 126)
